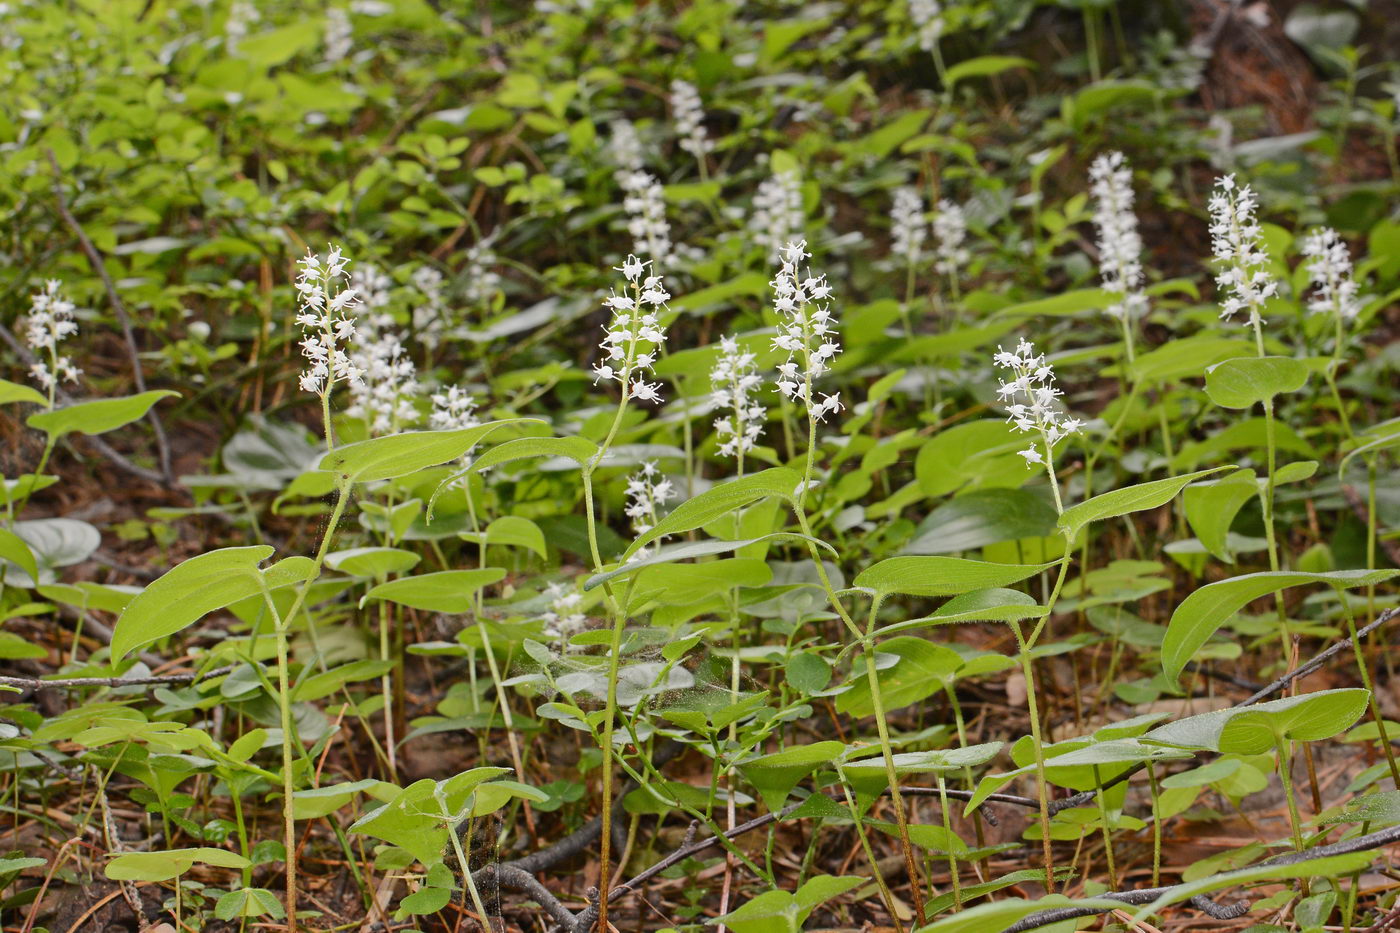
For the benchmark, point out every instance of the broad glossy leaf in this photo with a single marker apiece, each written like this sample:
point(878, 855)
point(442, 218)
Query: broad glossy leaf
point(372, 561)
point(670, 553)
point(1126, 500)
point(1309, 717)
point(54, 543)
point(579, 449)
point(172, 863)
point(248, 902)
point(785, 911)
point(1246, 381)
point(989, 605)
point(981, 517)
point(779, 482)
point(978, 453)
point(1183, 358)
point(412, 819)
point(316, 802)
point(450, 591)
point(404, 454)
point(984, 66)
point(919, 670)
point(1201, 614)
point(14, 549)
point(1211, 508)
point(196, 587)
point(940, 576)
point(514, 531)
point(774, 776)
point(15, 392)
point(99, 416)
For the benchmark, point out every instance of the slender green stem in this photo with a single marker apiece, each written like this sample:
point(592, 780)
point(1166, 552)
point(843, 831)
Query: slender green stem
point(1285, 773)
point(886, 750)
point(948, 838)
point(870, 853)
point(1042, 796)
point(1156, 791)
point(464, 865)
point(1107, 829)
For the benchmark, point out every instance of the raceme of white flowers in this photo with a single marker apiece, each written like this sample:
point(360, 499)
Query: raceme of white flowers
point(340, 35)
point(927, 16)
point(563, 617)
point(646, 490)
point(1238, 242)
point(645, 204)
point(1329, 268)
point(483, 282)
point(386, 394)
point(950, 230)
point(49, 323)
point(908, 228)
point(1120, 244)
point(733, 381)
point(777, 212)
point(689, 115)
point(453, 409)
point(626, 148)
point(374, 287)
point(634, 333)
point(1033, 381)
point(327, 304)
point(242, 16)
point(806, 330)
point(429, 325)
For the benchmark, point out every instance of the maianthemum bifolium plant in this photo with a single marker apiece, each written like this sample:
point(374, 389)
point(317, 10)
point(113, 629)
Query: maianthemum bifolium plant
point(712, 466)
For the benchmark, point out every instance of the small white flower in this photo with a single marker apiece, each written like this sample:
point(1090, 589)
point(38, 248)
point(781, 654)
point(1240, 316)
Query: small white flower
point(777, 216)
point(1329, 268)
point(1238, 240)
point(804, 331)
point(340, 35)
point(689, 115)
point(645, 204)
point(1032, 401)
point(950, 229)
point(483, 283)
point(563, 617)
point(1120, 245)
point(326, 313)
point(430, 315)
point(385, 396)
point(49, 323)
point(647, 489)
point(927, 16)
point(626, 149)
point(908, 224)
point(634, 333)
point(733, 380)
point(242, 16)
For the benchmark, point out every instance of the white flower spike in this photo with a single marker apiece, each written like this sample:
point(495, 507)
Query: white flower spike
point(908, 225)
point(49, 323)
point(950, 229)
point(634, 334)
point(689, 114)
point(1244, 279)
point(777, 216)
point(1329, 268)
point(806, 330)
point(327, 306)
point(733, 381)
point(1032, 405)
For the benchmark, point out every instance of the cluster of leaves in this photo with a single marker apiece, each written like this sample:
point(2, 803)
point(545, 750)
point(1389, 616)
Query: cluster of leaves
point(594, 596)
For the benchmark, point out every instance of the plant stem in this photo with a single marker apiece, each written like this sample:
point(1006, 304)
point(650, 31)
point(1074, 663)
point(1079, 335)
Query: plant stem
point(948, 838)
point(1370, 689)
point(1285, 773)
point(1042, 796)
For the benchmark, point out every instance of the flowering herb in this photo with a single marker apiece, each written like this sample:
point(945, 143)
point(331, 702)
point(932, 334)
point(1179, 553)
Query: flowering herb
point(1119, 243)
point(1238, 241)
point(49, 323)
point(634, 333)
point(1033, 405)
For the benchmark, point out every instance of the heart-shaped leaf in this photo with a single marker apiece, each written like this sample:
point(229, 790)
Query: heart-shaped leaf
point(1248, 380)
point(1128, 499)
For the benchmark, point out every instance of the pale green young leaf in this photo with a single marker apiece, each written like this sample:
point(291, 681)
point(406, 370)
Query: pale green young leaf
point(1126, 500)
point(98, 416)
point(1249, 380)
point(404, 454)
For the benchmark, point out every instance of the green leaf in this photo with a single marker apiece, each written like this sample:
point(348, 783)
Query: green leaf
point(919, 670)
point(1211, 508)
point(249, 902)
point(514, 531)
point(97, 417)
point(1128, 499)
point(413, 819)
point(14, 549)
point(720, 500)
point(982, 517)
point(984, 66)
point(196, 587)
point(975, 454)
point(1179, 359)
point(579, 449)
point(1333, 866)
point(935, 761)
point(1309, 717)
point(1201, 614)
point(807, 672)
point(785, 911)
point(1063, 304)
point(990, 605)
point(372, 561)
point(449, 591)
point(1243, 382)
point(775, 775)
point(985, 918)
point(172, 863)
point(940, 576)
point(14, 392)
point(405, 454)
point(691, 549)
